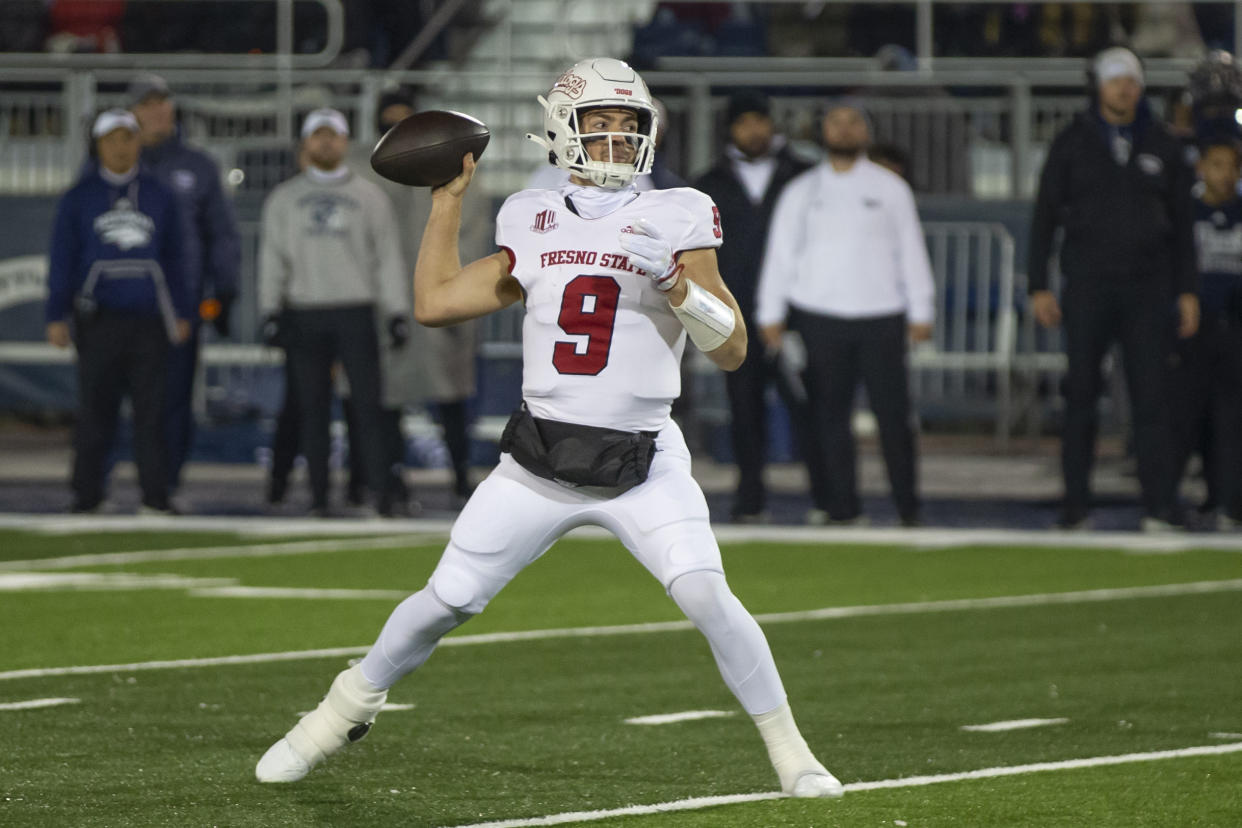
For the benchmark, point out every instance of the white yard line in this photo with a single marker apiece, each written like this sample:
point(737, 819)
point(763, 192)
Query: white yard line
point(827, 613)
point(34, 704)
point(1012, 724)
point(257, 550)
point(300, 592)
point(684, 716)
point(701, 802)
point(921, 538)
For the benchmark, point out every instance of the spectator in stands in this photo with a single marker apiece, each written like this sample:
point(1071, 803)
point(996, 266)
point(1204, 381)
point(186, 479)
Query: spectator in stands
point(212, 250)
point(846, 269)
point(116, 288)
point(745, 184)
point(84, 25)
point(1116, 180)
point(330, 255)
point(1207, 376)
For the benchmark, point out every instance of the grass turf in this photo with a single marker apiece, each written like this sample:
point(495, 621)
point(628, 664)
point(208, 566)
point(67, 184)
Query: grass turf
point(536, 727)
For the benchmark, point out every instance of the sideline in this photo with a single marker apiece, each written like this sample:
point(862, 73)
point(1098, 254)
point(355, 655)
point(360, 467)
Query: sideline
point(698, 803)
point(826, 613)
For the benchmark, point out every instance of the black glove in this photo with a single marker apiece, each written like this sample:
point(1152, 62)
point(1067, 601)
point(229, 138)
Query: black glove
point(271, 331)
point(221, 322)
point(398, 331)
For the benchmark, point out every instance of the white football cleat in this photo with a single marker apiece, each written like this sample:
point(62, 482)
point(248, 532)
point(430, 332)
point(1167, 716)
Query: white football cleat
point(816, 784)
point(345, 715)
point(281, 764)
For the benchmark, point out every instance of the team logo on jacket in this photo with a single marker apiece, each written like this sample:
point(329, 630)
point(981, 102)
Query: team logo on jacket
point(125, 227)
point(327, 216)
point(1150, 164)
point(545, 221)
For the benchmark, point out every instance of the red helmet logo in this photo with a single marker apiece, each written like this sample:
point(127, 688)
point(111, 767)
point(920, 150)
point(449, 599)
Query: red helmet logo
point(572, 85)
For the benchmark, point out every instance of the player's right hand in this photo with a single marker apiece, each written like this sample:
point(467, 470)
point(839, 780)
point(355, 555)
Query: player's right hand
point(457, 187)
point(651, 253)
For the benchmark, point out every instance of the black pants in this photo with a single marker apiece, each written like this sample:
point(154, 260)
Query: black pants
point(394, 489)
point(1139, 316)
point(451, 415)
point(1207, 407)
point(317, 339)
point(287, 438)
point(120, 354)
point(748, 428)
point(840, 352)
point(179, 405)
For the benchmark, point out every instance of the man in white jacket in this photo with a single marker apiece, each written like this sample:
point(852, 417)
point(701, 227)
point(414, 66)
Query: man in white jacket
point(847, 271)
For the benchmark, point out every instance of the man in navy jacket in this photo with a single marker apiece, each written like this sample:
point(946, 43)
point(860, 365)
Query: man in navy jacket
point(116, 287)
point(212, 248)
point(745, 183)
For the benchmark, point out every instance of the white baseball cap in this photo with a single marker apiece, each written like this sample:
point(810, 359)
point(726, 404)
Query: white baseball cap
point(325, 118)
point(111, 119)
point(1117, 62)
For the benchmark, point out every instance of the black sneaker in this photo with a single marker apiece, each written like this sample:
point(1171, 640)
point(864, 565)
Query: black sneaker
point(276, 489)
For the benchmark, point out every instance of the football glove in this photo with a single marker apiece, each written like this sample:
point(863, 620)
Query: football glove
point(271, 331)
point(651, 253)
point(398, 332)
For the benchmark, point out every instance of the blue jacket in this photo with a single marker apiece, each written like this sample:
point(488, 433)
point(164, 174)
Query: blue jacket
point(106, 244)
point(212, 244)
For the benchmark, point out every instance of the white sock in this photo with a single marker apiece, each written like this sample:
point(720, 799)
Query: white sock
point(343, 716)
point(786, 748)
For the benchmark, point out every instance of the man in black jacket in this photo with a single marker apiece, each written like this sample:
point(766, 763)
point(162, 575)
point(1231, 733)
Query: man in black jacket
point(745, 184)
point(1117, 182)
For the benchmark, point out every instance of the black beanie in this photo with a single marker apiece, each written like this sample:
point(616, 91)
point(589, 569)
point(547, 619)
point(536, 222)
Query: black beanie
point(394, 96)
point(748, 100)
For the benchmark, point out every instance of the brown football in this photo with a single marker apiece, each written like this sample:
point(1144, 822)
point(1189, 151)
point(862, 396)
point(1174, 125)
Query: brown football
point(425, 149)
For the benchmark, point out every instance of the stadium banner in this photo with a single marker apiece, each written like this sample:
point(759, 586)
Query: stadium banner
point(27, 387)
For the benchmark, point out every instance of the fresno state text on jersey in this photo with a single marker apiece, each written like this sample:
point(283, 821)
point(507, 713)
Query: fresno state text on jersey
point(600, 345)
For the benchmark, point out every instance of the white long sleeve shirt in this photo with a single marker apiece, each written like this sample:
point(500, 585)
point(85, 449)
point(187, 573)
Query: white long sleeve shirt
point(846, 244)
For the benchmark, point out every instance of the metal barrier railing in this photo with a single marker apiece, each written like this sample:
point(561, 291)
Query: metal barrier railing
point(987, 141)
point(970, 358)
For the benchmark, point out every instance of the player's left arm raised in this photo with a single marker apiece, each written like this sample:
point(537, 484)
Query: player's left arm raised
point(696, 292)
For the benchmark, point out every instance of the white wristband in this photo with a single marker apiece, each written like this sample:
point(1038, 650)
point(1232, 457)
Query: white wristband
point(707, 320)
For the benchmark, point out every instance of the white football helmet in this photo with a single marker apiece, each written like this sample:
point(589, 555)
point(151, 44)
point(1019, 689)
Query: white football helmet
point(596, 84)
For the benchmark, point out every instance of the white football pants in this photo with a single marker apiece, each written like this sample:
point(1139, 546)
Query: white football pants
point(513, 517)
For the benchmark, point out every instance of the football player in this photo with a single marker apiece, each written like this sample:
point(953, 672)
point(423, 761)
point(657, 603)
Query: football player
point(613, 280)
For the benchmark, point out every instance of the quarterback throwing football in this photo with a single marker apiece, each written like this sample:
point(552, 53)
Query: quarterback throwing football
point(613, 281)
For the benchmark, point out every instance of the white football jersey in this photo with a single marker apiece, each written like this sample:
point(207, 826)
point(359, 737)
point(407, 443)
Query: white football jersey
point(600, 345)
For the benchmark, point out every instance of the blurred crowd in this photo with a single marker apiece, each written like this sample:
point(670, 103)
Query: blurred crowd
point(801, 29)
point(376, 31)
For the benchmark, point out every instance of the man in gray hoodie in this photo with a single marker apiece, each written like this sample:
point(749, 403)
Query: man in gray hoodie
point(330, 265)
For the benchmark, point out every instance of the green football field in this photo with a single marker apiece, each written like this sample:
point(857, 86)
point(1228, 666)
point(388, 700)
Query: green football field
point(143, 674)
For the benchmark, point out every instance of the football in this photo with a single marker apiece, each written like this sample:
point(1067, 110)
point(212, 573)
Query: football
point(425, 149)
